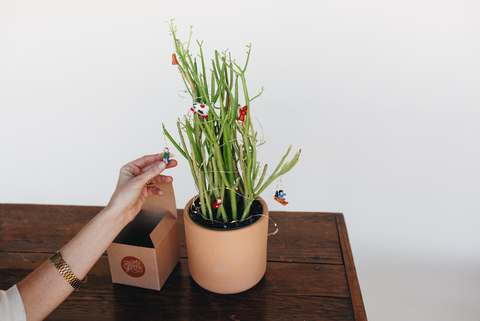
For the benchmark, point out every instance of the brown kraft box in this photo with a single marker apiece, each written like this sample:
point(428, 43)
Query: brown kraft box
point(147, 250)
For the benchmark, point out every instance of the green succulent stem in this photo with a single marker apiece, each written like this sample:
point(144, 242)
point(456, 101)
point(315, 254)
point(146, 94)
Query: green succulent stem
point(222, 148)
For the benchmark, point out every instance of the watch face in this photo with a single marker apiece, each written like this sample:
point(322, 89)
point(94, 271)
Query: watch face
point(54, 258)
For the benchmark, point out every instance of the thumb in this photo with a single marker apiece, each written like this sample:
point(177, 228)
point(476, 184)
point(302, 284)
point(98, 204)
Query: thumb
point(152, 172)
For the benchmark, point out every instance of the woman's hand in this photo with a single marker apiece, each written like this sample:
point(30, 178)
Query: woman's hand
point(90, 243)
point(132, 189)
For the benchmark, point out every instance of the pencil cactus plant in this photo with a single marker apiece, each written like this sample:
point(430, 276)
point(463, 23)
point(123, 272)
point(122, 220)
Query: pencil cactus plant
point(221, 142)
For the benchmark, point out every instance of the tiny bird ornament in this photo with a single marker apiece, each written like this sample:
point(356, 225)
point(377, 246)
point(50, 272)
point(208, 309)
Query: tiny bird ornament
point(243, 113)
point(218, 203)
point(200, 109)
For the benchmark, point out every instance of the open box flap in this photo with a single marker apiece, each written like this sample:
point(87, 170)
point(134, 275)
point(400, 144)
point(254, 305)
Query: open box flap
point(161, 231)
point(160, 205)
point(137, 232)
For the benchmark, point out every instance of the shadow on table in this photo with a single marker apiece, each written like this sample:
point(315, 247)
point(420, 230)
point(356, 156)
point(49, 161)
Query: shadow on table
point(182, 299)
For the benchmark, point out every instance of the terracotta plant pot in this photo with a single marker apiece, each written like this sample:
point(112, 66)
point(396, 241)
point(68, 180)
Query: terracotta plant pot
point(227, 261)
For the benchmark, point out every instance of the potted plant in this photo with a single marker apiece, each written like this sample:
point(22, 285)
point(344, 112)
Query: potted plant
point(226, 223)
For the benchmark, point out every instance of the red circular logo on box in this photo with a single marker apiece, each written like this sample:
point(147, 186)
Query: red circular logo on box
point(133, 266)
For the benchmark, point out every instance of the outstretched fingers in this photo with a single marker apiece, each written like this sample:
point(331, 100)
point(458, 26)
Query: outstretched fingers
point(138, 166)
point(143, 164)
point(153, 190)
point(161, 178)
point(171, 163)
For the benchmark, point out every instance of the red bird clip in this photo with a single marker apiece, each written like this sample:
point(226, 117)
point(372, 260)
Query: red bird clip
point(243, 113)
point(217, 204)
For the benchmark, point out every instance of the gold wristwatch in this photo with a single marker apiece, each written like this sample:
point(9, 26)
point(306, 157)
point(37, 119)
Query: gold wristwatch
point(66, 272)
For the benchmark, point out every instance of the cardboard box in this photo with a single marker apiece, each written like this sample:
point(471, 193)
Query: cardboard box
point(147, 250)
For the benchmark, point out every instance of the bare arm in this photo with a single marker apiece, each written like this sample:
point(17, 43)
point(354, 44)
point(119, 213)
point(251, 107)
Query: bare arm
point(45, 289)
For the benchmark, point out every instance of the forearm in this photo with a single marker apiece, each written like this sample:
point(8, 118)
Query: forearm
point(84, 250)
point(45, 289)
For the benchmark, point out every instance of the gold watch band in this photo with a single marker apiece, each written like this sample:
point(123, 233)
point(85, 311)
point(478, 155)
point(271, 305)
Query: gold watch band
point(66, 272)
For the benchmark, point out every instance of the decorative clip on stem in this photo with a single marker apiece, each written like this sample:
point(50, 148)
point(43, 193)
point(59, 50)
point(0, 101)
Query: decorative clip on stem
point(218, 203)
point(200, 109)
point(174, 59)
point(280, 197)
point(243, 113)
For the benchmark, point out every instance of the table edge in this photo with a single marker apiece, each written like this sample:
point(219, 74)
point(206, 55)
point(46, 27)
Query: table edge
point(350, 271)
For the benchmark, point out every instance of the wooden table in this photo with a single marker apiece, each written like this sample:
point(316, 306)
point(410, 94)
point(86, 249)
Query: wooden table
point(310, 273)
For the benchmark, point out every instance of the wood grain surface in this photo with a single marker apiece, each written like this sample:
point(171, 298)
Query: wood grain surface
point(310, 272)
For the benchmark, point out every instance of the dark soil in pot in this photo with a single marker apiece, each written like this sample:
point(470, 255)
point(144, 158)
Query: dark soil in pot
point(195, 212)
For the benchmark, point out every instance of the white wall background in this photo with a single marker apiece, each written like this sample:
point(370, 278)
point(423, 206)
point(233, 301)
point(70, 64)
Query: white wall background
point(383, 98)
